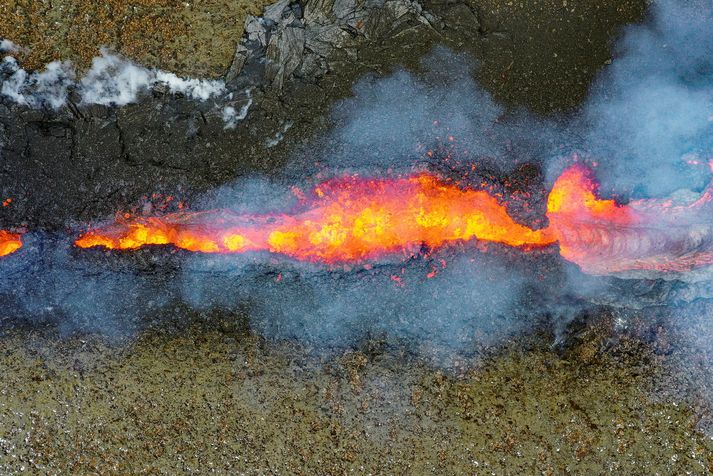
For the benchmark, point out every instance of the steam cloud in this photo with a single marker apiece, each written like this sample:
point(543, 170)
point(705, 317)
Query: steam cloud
point(647, 122)
point(111, 80)
point(48, 285)
point(650, 115)
point(391, 122)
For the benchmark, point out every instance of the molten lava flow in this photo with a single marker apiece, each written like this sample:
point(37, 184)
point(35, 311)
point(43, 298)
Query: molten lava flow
point(9, 242)
point(644, 236)
point(343, 220)
point(352, 219)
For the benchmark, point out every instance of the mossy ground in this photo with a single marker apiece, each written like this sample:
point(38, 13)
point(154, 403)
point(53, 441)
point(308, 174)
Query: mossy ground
point(196, 38)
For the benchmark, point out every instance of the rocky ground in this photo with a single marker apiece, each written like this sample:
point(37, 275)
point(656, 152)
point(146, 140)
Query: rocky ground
point(198, 392)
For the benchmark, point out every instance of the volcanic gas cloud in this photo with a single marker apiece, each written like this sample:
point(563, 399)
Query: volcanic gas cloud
point(355, 219)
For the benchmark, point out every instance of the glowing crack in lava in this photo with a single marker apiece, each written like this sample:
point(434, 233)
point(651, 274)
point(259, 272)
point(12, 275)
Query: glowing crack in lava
point(672, 235)
point(342, 220)
point(9, 242)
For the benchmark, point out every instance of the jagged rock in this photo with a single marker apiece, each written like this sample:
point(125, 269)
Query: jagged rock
point(329, 32)
point(236, 67)
point(324, 39)
point(255, 30)
point(312, 66)
point(284, 54)
point(273, 12)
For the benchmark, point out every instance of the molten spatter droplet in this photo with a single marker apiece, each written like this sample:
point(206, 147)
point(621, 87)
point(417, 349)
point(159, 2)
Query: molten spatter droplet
point(9, 242)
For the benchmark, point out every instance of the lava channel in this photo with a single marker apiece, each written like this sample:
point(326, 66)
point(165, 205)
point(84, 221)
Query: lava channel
point(341, 220)
point(644, 238)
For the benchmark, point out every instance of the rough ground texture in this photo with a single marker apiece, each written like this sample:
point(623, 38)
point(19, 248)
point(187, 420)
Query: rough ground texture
point(214, 398)
point(191, 38)
point(531, 57)
point(196, 393)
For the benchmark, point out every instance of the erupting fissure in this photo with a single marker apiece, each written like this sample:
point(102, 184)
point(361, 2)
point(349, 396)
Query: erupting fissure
point(342, 220)
point(353, 219)
point(9, 242)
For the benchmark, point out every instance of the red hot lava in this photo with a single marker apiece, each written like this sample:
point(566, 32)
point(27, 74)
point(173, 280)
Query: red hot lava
point(353, 219)
point(342, 220)
point(9, 242)
point(602, 237)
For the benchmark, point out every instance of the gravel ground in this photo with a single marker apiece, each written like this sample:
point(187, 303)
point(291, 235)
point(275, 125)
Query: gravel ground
point(215, 398)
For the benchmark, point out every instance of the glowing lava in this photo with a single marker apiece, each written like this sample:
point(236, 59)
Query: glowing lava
point(673, 235)
point(342, 220)
point(353, 219)
point(9, 242)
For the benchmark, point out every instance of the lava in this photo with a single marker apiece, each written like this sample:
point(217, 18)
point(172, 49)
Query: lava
point(9, 242)
point(353, 219)
point(643, 237)
point(342, 220)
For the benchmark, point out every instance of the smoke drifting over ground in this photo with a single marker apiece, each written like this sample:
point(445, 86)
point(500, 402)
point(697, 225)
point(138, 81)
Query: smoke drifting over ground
point(647, 124)
point(391, 123)
point(459, 305)
point(111, 80)
point(47, 284)
point(650, 114)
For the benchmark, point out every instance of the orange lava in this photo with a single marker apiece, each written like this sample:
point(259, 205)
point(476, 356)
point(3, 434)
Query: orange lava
point(353, 219)
point(574, 194)
point(9, 242)
point(342, 220)
point(606, 238)
point(579, 219)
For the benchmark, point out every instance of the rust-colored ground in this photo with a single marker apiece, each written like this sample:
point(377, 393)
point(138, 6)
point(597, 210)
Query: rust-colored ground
point(196, 38)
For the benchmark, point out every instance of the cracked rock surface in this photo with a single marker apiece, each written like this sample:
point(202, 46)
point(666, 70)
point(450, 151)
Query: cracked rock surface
point(86, 163)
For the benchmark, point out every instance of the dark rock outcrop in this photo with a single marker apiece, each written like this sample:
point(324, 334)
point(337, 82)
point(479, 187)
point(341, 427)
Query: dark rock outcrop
point(312, 43)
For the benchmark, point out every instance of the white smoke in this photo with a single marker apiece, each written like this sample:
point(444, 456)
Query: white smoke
point(49, 285)
point(46, 88)
point(649, 118)
point(7, 46)
point(390, 122)
point(114, 81)
point(111, 80)
point(231, 116)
